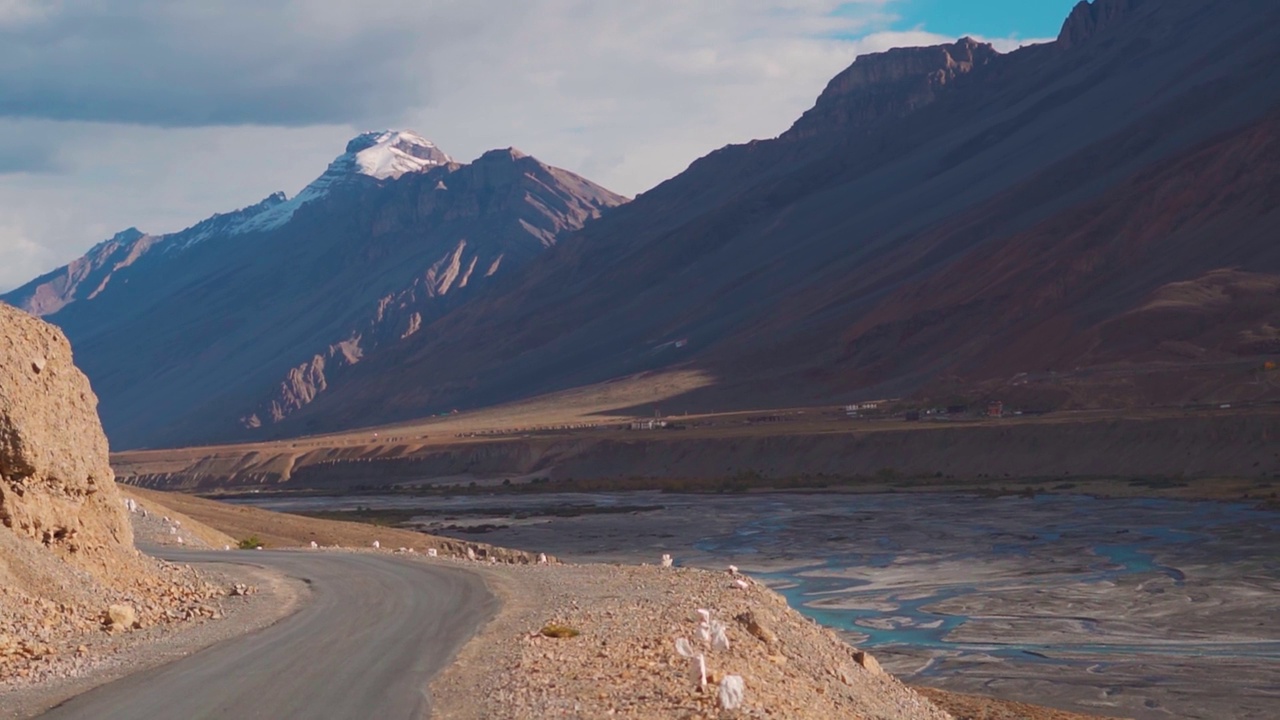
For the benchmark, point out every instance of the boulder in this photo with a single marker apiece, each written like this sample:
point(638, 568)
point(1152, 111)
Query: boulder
point(867, 661)
point(121, 617)
point(756, 628)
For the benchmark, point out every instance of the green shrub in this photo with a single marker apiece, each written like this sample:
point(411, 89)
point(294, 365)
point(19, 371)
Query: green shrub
point(250, 543)
point(556, 630)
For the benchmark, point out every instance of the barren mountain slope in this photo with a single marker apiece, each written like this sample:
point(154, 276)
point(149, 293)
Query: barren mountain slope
point(1149, 272)
point(780, 266)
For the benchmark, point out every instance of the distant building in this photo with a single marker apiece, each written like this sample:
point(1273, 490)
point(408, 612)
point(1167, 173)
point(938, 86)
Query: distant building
point(648, 424)
point(995, 409)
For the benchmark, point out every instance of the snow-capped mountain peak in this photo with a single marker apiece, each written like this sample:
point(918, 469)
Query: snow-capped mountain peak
point(392, 153)
point(382, 155)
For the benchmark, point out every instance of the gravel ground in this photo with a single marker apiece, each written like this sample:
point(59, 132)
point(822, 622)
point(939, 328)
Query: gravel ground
point(624, 661)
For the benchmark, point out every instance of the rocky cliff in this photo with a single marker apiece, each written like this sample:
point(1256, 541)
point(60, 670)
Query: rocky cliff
point(888, 85)
point(1088, 19)
point(68, 568)
point(83, 277)
point(56, 485)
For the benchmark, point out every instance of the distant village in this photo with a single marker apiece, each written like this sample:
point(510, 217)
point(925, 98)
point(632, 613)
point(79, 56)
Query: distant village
point(890, 409)
point(882, 409)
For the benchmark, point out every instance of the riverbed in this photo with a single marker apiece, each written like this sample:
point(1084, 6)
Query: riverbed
point(1134, 608)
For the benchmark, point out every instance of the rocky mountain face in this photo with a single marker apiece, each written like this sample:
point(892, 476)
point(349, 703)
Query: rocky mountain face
point(400, 313)
point(240, 320)
point(889, 85)
point(84, 277)
point(943, 219)
point(1088, 19)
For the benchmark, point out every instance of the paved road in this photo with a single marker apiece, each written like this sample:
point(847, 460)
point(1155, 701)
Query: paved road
point(376, 630)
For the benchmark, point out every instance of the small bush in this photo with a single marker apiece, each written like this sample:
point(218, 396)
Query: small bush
point(556, 630)
point(250, 543)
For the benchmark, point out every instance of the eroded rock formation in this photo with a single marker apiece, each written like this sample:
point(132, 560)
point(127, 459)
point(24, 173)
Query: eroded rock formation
point(68, 568)
point(56, 486)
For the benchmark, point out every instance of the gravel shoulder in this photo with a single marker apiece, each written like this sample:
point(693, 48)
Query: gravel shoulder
point(111, 657)
point(212, 613)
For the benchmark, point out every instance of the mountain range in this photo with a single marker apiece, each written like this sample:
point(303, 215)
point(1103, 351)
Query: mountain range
point(1083, 223)
point(242, 319)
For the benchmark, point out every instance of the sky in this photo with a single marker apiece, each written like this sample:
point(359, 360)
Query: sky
point(158, 113)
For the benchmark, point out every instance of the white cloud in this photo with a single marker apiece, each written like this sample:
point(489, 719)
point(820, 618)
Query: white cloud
point(24, 258)
point(158, 180)
point(174, 111)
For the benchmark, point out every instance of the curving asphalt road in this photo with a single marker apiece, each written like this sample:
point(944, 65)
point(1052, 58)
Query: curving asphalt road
point(376, 630)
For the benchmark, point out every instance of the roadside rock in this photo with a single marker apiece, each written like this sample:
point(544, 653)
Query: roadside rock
point(866, 660)
point(120, 618)
point(751, 623)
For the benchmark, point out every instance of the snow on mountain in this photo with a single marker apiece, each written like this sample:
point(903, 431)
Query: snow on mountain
point(222, 224)
point(381, 155)
point(390, 154)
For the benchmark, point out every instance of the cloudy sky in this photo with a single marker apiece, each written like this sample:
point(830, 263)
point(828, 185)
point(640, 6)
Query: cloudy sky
point(157, 114)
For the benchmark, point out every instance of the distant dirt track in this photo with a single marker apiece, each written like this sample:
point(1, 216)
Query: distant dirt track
point(375, 631)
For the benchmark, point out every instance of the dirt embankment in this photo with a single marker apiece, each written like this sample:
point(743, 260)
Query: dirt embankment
point(623, 659)
point(278, 530)
point(1212, 443)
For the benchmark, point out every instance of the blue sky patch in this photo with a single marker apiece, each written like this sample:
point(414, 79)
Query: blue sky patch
point(990, 18)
